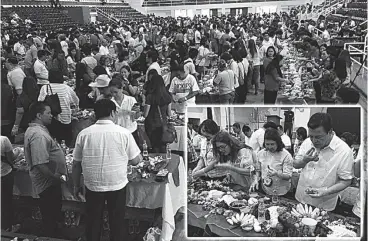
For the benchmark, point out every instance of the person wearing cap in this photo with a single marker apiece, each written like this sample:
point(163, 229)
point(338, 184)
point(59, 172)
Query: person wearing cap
point(40, 69)
point(15, 74)
point(61, 127)
point(101, 87)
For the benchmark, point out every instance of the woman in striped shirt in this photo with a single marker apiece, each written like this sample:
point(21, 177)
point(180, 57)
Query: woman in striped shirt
point(61, 127)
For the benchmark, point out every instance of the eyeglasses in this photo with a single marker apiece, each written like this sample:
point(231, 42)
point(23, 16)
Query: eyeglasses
point(223, 147)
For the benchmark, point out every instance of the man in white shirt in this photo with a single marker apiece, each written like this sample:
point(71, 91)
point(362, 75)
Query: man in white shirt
point(326, 35)
point(151, 59)
point(267, 41)
point(19, 48)
point(15, 74)
point(105, 166)
point(327, 164)
point(285, 138)
point(257, 139)
point(104, 50)
point(140, 44)
point(311, 26)
point(40, 69)
point(197, 36)
point(248, 134)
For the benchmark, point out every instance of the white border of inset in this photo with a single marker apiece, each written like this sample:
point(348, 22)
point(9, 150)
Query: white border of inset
point(363, 131)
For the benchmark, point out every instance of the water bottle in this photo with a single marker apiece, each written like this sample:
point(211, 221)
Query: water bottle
point(145, 151)
point(261, 211)
point(63, 146)
point(168, 152)
point(275, 197)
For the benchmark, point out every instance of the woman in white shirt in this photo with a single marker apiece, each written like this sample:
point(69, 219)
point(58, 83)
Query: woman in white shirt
point(61, 125)
point(126, 107)
point(202, 61)
point(241, 91)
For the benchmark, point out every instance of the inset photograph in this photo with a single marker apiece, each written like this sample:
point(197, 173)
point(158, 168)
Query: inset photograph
point(274, 172)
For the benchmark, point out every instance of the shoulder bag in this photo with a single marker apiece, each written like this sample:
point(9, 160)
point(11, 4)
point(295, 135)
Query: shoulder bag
point(53, 101)
point(169, 134)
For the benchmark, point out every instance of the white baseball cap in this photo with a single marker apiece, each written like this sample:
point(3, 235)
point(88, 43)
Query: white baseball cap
point(101, 81)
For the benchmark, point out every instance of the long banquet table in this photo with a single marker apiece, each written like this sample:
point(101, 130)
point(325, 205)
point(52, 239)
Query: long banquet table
point(147, 194)
point(79, 125)
point(218, 225)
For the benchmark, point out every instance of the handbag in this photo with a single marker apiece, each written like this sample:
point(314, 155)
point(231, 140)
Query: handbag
point(53, 101)
point(169, 134)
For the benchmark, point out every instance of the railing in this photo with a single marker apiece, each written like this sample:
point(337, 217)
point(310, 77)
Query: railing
point(105, 15)
point(359, 69)
point(331, 7)
point(360, 25)
point(157, 3)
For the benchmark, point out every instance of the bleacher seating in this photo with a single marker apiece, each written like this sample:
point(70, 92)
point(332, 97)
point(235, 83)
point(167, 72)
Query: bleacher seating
point(156, 3)
point(45, 16)
point(356, 9)
point(122, 13)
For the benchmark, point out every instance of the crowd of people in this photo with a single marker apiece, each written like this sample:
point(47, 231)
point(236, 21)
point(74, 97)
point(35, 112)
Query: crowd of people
point(249, 50)
point(264, 160)
point(116, 71)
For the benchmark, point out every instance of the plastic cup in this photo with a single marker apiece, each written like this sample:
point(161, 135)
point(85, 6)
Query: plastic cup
point(311, 223)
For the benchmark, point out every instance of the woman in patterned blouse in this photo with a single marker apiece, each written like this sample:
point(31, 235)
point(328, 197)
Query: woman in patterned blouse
point(236, 159)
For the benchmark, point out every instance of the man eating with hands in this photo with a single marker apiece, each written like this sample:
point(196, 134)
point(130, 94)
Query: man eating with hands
point(326, 162)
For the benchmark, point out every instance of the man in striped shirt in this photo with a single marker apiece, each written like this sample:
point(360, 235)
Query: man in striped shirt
point(104, 151)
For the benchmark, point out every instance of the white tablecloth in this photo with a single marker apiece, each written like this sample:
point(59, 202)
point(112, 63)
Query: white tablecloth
point(179, 145)
point(173, 199)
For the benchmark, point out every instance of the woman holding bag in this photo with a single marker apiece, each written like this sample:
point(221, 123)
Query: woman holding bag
point(156, 111)
point(61, 126)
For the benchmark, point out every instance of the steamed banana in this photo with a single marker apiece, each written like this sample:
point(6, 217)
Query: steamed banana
point(230, 221)
point(238, 218)
point(303, 211)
